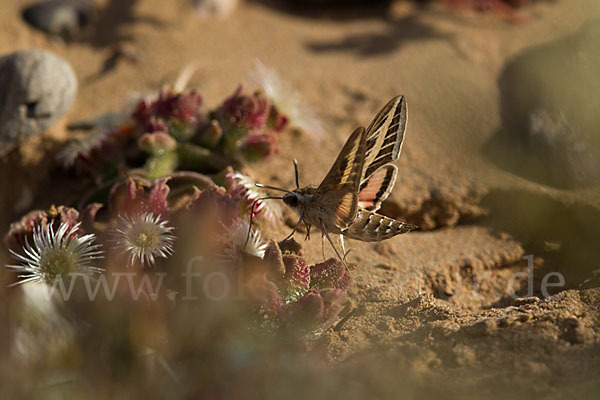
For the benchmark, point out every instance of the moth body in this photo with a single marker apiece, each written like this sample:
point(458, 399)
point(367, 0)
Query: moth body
point(361, 178)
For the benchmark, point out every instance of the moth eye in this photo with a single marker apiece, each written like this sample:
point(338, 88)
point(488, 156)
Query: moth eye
point(291, 200)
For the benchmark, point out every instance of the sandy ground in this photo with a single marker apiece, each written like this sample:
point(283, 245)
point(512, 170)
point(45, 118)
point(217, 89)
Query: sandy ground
point(435, 301)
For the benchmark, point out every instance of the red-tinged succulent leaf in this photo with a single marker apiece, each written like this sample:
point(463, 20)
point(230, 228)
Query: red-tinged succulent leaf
point(330, 274)
point(157, 200)
point(297, 276)
point(62, 214)
point(167, 108)
point(210, 134)
point(290, 246)
point(136, 196)
point(186, 186)
point(185, 106)
point(88, 215)
point(155, 124)
point(121, 195)
point(212, 213)
point(157, 143)
point(274, 258)
point(317, 309)
point(263, 294)
point(189, 179)
point(307, 313)
point(277, 121)
point(216, 203)
point(258, 147)
point(21, 229)
point(291, 271)
point(334, 302)
point(192, 157)
point(208, 198)
point(245, 111)
point(24, 227)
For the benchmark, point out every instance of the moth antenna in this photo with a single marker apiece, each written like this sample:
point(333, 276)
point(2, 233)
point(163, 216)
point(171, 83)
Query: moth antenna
point(296, 173)
point(252, 214)
point(260, 185)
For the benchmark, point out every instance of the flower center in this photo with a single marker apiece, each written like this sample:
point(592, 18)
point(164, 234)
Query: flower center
point(58, 262)
point(147, 238)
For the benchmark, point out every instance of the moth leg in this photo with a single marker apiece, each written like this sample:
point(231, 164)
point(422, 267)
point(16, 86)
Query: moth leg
point(307, 225)
point(324, 230)
point(295, 228)
point(343, 249)
point(342, 244)
point(323, 245)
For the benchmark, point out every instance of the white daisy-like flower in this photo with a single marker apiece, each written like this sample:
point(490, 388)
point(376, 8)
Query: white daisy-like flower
point(61, 253)
point(248, 190)
point(237, 241)
point(288, 101)
point(144, 237)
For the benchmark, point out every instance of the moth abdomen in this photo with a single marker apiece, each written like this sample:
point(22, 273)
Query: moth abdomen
point(373, 227)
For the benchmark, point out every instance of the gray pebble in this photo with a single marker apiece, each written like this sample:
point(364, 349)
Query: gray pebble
point(36, 89)
point(64, 18)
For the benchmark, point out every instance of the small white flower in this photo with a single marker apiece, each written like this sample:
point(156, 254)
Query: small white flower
point(250, 193)
point(144, 237)
point(57, 253)
point(288, 101)
point(237, 241)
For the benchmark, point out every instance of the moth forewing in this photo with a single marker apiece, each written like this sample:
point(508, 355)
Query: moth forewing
point(337, 194)
point(385, 135)
point(345, 173)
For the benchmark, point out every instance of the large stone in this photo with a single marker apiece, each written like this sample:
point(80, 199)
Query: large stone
point(37, 88)
point(550, 112)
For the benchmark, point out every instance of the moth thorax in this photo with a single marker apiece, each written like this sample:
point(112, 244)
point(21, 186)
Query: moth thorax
point(291, 199)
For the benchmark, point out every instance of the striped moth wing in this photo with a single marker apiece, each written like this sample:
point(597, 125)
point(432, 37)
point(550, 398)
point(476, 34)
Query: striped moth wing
point(338, 192)
point(384, 139)
point(377, 188)
point(385, 135)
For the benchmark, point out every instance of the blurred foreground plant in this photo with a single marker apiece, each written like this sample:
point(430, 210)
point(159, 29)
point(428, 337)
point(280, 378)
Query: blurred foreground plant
point(157, 265)
point(157, 237)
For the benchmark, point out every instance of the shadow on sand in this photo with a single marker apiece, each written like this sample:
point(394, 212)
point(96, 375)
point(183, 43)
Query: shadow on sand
point(564, 235)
